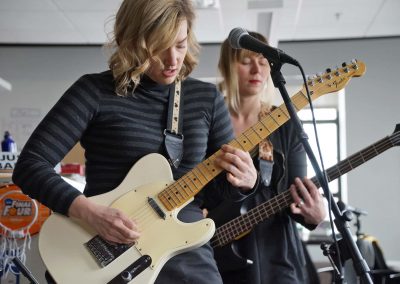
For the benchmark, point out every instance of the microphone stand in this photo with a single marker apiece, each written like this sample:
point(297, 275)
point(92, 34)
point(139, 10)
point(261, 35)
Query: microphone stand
point(341, 222)
point(24, 270)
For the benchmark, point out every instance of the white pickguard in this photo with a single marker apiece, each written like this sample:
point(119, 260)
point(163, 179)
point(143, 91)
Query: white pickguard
point(62, 239)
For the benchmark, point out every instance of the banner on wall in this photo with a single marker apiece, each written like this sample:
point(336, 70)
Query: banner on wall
point(8, 160)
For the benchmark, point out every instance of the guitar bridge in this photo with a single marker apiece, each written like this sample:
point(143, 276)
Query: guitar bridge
point(105, 252)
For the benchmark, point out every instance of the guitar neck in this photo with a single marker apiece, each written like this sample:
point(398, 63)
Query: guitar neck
point(358, 159)
point(179, 192)
point(240, 226)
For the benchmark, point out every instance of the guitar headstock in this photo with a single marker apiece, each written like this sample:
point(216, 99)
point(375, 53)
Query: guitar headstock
point(395, 137)
point(334, 80)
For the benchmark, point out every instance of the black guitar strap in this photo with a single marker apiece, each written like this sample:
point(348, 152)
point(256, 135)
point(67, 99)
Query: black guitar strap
point(173, 140)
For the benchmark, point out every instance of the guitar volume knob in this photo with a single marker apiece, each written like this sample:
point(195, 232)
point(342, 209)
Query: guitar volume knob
point(126, 276)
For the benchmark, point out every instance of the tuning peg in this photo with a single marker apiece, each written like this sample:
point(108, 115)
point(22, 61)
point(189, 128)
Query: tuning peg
point(337, 73)
point(310, 80)
point(354, 64)
point(345, 67)
point(328, 75)
point(319, 77)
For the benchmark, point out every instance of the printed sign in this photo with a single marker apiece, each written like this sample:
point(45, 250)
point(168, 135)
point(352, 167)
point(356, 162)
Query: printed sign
point(8, 160)
point(18, 211)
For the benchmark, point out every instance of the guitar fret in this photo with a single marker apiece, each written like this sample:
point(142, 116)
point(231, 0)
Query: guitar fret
point(171, 194)
point(178, 192)
point(234, 229)
point(256, 132)
point(207, 175)
point(186, 186)
point(261, 212)
point(296, 108)
point(262, 122)
point(258, 216)
point(375, 150)
point(381, 148)
point(199, 176)
point(285, 112)
point(252, 136)
point(211, 167)
point(194, 180)
point(274, 123)
point(230, 232)
point(245, 143)
point(300, 100)
point(235, 143)
point(355, 161)
point(184, 189)
point(362, 158)
point(167, 200)
point(243, 226)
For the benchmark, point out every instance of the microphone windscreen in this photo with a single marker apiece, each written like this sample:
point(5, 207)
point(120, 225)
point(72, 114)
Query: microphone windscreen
point(234, 37)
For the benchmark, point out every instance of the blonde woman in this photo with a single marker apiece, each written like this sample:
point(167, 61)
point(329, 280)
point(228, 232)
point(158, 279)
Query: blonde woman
point(120, 115)
point(274, 245)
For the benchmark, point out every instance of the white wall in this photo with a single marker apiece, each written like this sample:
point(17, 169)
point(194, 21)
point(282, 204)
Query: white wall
point(372, 103)
point(39, 76)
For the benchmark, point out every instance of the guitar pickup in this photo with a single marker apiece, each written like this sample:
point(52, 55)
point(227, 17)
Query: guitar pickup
point(156, 208)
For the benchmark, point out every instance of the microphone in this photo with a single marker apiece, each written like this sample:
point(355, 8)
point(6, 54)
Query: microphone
point(240, 38)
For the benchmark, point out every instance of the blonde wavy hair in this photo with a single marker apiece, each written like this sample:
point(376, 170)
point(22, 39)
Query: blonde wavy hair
point(229, 85)
point(142, 30)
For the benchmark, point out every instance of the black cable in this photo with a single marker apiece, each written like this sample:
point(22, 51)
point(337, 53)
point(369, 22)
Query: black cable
point(339, 263)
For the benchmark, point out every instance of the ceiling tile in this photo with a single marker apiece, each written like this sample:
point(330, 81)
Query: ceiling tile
point(86, 21)
point(387, 20)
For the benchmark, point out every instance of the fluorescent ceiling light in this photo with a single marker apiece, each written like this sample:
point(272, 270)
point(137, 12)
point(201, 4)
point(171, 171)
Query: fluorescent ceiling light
point(206, 4)
point(5, 84)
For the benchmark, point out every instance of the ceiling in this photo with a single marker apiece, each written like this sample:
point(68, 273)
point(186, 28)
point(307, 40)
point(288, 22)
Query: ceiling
point(89, 21)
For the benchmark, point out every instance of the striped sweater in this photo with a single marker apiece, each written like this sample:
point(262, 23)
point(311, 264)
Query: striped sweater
point(115, 132)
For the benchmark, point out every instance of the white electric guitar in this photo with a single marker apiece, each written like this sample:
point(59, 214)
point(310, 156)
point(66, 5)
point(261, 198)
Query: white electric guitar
point(74, 253)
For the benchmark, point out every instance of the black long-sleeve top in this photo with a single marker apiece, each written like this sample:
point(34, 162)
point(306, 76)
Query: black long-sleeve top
point(115, 132)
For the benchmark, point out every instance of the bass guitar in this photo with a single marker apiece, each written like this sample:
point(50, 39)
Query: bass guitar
point(73, 252)
point(226, 251)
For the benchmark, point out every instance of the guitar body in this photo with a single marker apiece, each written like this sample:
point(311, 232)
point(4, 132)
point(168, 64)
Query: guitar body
point(62, 239)
point(228, 257)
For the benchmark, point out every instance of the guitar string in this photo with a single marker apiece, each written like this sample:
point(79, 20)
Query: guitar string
point(144, 212)
point(148, 210)
point(363, 155)
point(187, 177)
point(222, 229)
point(219, 229)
